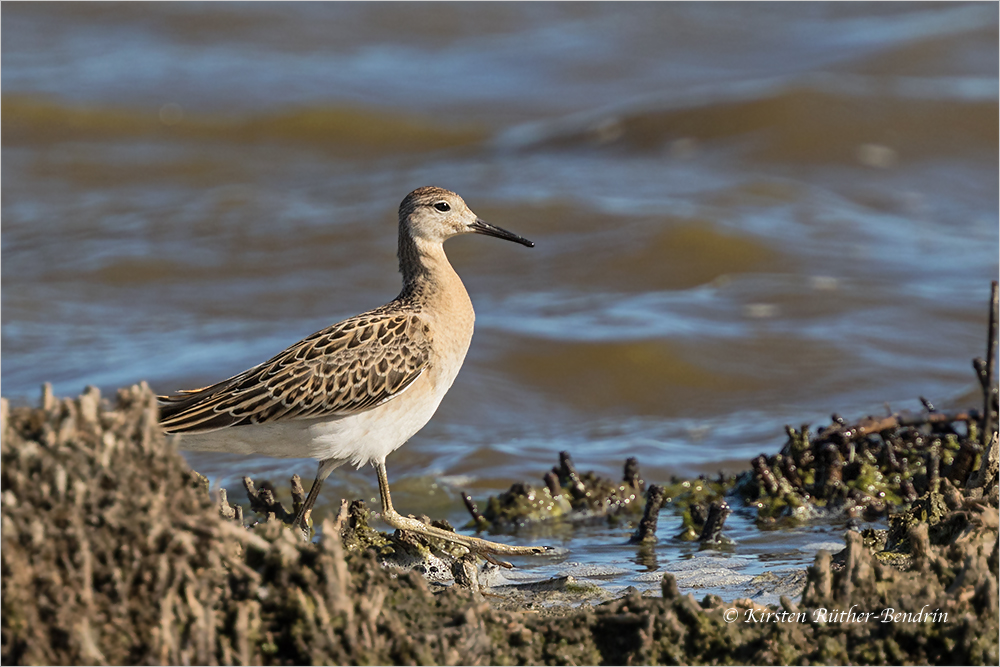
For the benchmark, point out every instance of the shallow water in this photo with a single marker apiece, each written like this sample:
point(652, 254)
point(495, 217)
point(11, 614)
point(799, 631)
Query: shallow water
point(745, 216)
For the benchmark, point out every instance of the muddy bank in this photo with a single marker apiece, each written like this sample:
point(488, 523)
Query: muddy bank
point(114, 553)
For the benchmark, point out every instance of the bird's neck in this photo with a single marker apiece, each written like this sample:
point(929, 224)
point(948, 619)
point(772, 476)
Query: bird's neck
point(426, 269)
point(432, 286)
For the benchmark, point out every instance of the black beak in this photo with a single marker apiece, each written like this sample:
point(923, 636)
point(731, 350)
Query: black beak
point(481, 227)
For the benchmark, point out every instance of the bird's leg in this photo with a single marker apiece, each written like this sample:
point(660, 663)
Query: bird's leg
point(301, 520)
point(473, 544)
point(302, 516)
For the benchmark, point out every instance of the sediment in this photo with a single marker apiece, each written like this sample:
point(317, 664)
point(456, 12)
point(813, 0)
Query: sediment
point(113, 552)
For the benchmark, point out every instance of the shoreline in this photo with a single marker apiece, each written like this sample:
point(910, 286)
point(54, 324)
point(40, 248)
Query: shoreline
point(113, 553)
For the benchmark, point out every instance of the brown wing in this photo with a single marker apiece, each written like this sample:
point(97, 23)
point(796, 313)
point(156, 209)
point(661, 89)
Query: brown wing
point(343, 369)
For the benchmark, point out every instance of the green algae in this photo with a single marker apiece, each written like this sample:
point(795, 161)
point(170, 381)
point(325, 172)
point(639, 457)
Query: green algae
point(573, 497)
point(860, 470)
point(525, 503)
point(566, 495)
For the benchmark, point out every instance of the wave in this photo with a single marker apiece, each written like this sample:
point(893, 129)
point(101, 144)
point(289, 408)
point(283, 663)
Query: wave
point(822, 116)
point(30, 119)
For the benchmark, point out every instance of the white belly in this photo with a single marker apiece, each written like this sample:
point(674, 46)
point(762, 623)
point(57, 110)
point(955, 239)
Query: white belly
point(359, 438)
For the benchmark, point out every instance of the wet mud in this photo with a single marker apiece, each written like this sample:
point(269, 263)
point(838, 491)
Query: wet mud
point(114, 553)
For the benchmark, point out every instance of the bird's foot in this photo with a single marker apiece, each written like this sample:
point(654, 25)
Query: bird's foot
point(487, 549)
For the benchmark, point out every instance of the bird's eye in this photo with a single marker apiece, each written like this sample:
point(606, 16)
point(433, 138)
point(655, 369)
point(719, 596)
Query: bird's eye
point(442, 206)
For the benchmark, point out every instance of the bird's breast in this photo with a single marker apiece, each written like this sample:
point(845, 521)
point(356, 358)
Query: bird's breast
point(451, 329)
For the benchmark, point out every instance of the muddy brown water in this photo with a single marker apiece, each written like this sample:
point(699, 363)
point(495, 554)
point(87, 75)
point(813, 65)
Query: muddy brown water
point(745, 216)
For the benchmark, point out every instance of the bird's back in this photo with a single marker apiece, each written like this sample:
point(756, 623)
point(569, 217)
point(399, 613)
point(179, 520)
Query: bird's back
point(349, 367)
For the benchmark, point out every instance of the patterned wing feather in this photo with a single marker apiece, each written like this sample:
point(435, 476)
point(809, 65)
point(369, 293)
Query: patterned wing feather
point(346, 368)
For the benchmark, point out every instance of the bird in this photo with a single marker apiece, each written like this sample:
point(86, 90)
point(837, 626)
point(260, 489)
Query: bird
point(359, 389)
